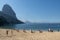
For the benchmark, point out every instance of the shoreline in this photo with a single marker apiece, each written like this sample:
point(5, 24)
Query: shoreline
point(28, 35)
point(30, 30)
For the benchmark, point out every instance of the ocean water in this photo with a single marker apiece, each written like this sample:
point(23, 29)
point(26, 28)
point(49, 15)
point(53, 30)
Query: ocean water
point(34, 26)
point(38, 26)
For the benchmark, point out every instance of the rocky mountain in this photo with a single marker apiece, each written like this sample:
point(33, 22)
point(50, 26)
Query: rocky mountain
point(8, 10)
point(8, 16)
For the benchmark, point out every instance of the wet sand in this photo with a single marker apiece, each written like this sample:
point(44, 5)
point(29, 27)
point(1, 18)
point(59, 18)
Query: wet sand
point(27, 35)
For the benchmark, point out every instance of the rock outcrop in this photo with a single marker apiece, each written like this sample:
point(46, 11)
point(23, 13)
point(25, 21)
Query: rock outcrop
point(7, 15)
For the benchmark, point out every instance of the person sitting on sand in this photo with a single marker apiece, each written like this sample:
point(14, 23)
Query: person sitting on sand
point(32, 31)
point(58, 30)
point(24, 31)
point(17, 30)
point(40, 31)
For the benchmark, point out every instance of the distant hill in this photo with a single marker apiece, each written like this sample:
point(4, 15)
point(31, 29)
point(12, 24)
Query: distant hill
point(28, 22)
point(8, 16)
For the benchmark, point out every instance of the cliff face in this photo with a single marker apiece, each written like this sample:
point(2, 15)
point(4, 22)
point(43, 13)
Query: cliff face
point(9, 15)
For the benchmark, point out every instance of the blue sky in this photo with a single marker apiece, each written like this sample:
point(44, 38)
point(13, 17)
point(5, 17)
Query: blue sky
point(47, 11)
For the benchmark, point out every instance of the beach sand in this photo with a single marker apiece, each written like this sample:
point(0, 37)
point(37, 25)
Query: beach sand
point(20, 35)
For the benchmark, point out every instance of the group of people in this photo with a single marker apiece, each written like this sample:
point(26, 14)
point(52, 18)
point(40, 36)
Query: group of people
point(50, 30)
point(7, 32)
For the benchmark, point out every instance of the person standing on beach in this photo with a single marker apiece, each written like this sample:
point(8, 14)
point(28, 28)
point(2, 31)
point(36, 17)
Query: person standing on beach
point(49, 29)
point(7, 32)
point(11, 32)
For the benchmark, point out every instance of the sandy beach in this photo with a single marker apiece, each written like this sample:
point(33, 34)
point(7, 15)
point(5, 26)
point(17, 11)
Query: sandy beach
point(21, 35)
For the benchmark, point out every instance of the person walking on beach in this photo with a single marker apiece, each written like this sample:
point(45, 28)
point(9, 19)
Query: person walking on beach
point(11, 32)
point(7, 32)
